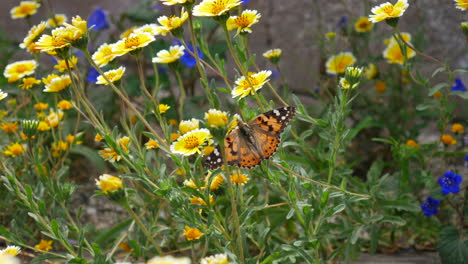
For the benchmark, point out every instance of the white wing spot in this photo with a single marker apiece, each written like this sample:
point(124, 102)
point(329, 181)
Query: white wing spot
point(219, 160)
point(283, 118)
point(276, 112)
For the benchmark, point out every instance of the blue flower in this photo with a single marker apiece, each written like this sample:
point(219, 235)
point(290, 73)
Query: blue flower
point(245, 2)
point(188, 59)
point(343, 22)
point(98, 19)
point(466, 160)
point(430, 206)
point(459, 86)
point(450, 182)
point(92, 75)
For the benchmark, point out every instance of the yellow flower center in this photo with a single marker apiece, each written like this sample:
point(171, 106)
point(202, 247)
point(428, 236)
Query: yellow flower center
point(191, 142)
point(388, 9)
point(21, 68)
point(58, 42)
point(364, 24)
point(217, 6)
point(170, 21)
point(242, 21)
point(111, 75)
point(26, 9)
point(132, 42)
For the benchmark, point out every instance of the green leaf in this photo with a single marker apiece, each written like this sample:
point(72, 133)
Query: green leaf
point(41, 258)
point(338, 209)
point(461, 94)
point(452, 249)
point(422, 107)
point(91, 155)
point(356, 233)
point(436, 88)
point(300, 251)
point(403, 205)
point(437, 71)
point(395, 220)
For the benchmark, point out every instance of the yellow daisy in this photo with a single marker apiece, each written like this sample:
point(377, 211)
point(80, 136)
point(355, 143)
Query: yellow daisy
point(33, 34)
point(108, 183)
point(192, 233)
point(239, 179)
point(45, 245)
point(110, 155)
point(41, 106)
point(186, 126)
point(98, 138)
point(215, 182)
point(17, 70)
point(151, 29)
point(64, 105)
point(43, 126)
point(257, 80)
point(406, 37)
point(60, 38)
point(112, 75)
point(272, 54)
point(393, 54)
point(3, 95)
point(104, 54)
point(216, 118)
point(175, 2)
point(362, 25)
point(167, 24)
point(61, 65)
point(168, 56)
point(13, 150)
point(10, 250)
point(457, 128)
point(462, 4)
point(123, 142)
point(152, 144)
point(79, 24)
point(215, 259)
point(214, 7)
point(9, 127)
point(57, 20)
point(25, 9)
point(387, 11)
point(243, 22)
point(163, 108)
point(448, 139)
point(53, 118)
point(191, 142)
point(135, 41)
point(371, 71)
point(337, 64)
point(29, 82)
point(58, 83)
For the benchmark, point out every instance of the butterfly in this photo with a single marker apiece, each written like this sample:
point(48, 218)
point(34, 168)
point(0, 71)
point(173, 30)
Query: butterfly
point(250, 143)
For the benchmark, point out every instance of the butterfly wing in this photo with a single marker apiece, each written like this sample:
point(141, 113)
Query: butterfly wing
point(232, 147)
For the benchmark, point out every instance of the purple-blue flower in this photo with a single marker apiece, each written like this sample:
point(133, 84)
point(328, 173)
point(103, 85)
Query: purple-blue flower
point(430, 206)
point(342, 23)
point(188, 59)
point(466, 161)
point(450, 182)
point(92, 75)
point(459, 86)
point(245, 2)
point(98, 19)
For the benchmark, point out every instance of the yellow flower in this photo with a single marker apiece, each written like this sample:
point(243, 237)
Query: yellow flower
point(13, 150)
point(53, 119)
point(330, 35)
point(168, 56)
point(190, 183)
point(151, 29)
point(57, 20)
point(49, 78)
point(200, 201)
point(174, 136)
point(186, 126)
point(457, 128)
point(273, 54)
point(44, 245)
point(61, 65)
point(110, 155)
point(216, 118)
point(25, 9)
point(9, 127)
point(243, 22)
point(215, 182)
point(112, 75)
point(191, 142)
point(174, 2)
point(59, 38)
point(152, 144)
point(404, 35)
point(70, 138)
point(192, 233)
point(163, 108)
point(57, 84)
point(29, 82)
point(11, 251)
point(257, 80)
point(60, 145)
point(448, 139)
point(412, 143)
point(239, 179)
point(371, 71)
point(214, 7)
point(104, 54)
point(79, 24)
point(207, 150)
point(135, 41)
point(437, 95)
point(387, 11)
point(108, 183)
point(98, 138)
point(169, 259)
point(64, 105)
point(337, 64)
point(41, 106)
point(380, 86)
point(127, 32)
point(3, 95)
point(462, 4)
point(173, 122)
point(43, 126)
point(393, 54)
point(362, 25)
point(33, 34)
point(344, 84)
point(17, 70)
point(124, 141)
point(170, 23)
point(215, 259)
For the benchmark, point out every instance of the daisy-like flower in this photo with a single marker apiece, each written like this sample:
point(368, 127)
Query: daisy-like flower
point(362, 25)
point(388, 11)
point(216, 118)
point(273, 55)
point(152, 144)
point(123, 142)
point(112, 76)
point(190, 183)
point(98, 138)
point(168, 260)
point(13, 150)
point(393, 53)
point(337, 64)
point(239, 179)
point(244, 21)
point(9, 127)
point(215, 182)
point(29, 82)
point(64, 105)
point(163, 108)
point(133, 42)
point(450, 182)
point(186, 126)
point(199, 201)
point(448, 140)
point(371, 71)
point(44, 245)
point(191, 142)
point(345, 85)
point(110, 155)
point(215, 259)
point(257, 80)
point(168, 56)
point(404, 35)
point(213, 8)
point(127, 32)
point(61, 65)
point(104, 54)
point(175, 2)
point(57, 20)
point(3, 95)
point(412, 143)
point(43, 126)
point(11, 251)
point(53, 118)
point(192, 233)
point(41, 106)
point(175, 136)
point(25, 9)
point(108, 183)
point(33, 34)
point(17, 70)
point(462, 4)
point(60, 38)
point(457, 128)
point(57, 84)
point(151, 29)
point(168, 24)
point(79, 24)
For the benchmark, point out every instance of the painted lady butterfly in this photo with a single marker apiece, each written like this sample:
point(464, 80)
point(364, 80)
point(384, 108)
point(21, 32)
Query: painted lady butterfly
point(250, 143)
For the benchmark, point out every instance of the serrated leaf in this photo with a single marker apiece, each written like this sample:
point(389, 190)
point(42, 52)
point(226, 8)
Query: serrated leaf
point(452, 249)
